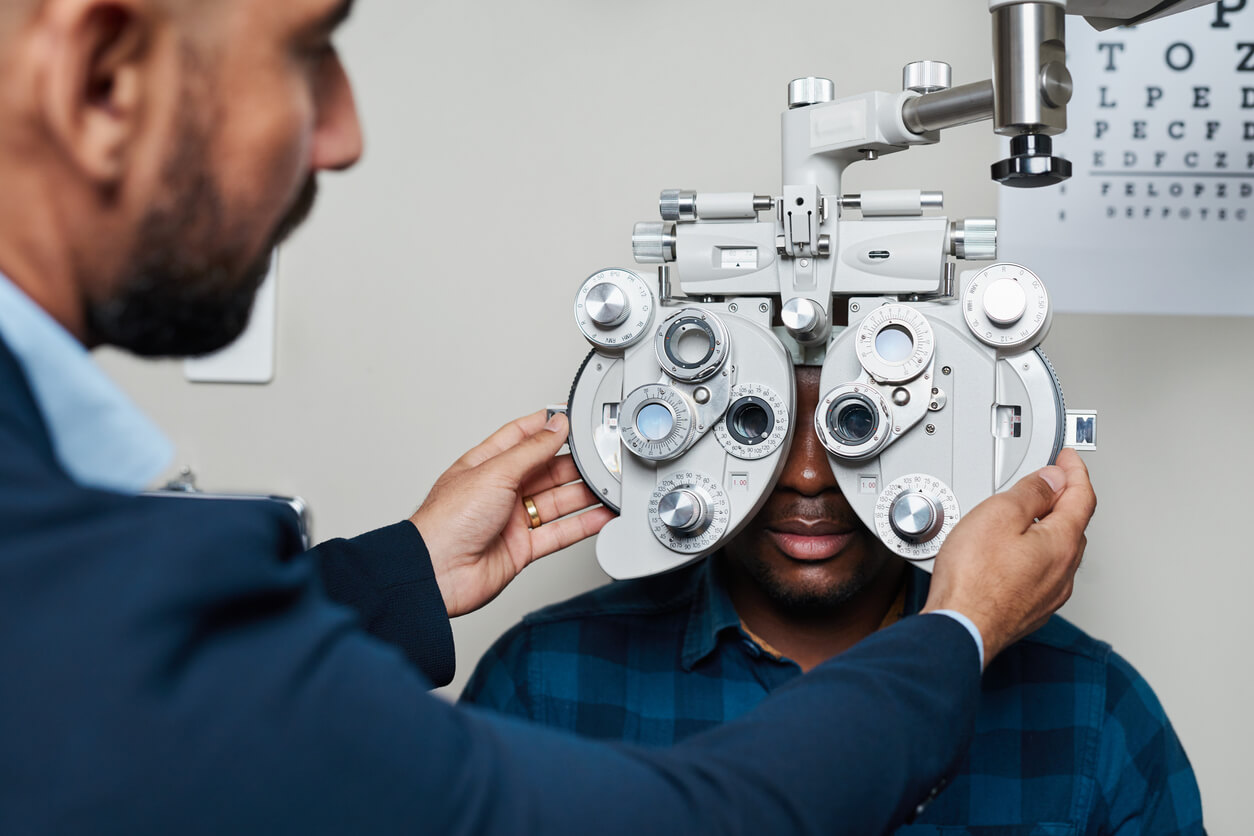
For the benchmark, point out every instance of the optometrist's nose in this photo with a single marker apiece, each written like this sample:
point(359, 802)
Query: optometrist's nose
point(338, 141)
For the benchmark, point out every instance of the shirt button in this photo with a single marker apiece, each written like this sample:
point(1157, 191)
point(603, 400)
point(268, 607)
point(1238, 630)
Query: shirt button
point(752, 649)
point(931, 796)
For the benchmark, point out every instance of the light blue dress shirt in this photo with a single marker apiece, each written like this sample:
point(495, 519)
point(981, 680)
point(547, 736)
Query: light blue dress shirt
point(100, 437)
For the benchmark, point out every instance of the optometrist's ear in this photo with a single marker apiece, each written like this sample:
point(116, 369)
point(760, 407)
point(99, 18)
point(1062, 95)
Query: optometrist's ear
point(97, 82)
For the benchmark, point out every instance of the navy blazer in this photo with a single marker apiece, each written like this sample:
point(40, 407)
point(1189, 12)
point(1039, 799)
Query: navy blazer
point(175, 667)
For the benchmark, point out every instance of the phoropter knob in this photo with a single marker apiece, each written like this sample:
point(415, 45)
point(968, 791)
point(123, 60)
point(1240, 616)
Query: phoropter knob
point(973, 239)
point(653, 242)
point(1005, 302)
point(614, 309)
point(1031, 163)
point(804, 319)
point(683, 511)
point(678, 205)
point(803, 92)
point(916, 518)
point(607, 305)
point(927, 76)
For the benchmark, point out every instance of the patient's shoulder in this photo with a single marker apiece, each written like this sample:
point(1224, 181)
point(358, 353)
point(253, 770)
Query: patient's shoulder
point(1061, 636)
point(655, 595)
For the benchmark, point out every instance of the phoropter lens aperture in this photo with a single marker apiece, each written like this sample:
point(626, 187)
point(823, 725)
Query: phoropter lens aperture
point(853, 419)
point(690, 343)
point(750, 420)
point(894, 344)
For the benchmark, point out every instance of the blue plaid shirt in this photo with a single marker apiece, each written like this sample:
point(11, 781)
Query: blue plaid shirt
point(1069, 740)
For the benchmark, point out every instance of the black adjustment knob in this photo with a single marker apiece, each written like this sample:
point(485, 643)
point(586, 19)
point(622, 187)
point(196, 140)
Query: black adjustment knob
point(1031, 163)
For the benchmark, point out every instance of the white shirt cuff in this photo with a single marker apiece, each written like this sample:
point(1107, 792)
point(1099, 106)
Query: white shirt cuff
point(971, 628)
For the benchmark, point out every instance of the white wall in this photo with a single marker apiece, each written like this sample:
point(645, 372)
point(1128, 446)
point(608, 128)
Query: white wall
point(511, 146)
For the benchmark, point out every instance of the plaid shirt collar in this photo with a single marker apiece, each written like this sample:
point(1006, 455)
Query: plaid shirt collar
point(712, 611)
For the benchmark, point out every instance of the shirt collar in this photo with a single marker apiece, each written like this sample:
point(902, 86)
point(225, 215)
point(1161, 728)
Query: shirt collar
point(711, 613)
point(712, 610)
point(100, 438)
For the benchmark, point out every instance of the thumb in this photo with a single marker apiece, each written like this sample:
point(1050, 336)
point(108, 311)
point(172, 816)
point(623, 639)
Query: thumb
point(519, 461)
point(1034, 495)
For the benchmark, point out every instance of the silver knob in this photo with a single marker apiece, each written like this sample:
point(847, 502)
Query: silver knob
point(1005, 302)
point(678, 205)
point(803, 318)
point(916, 518)
point(973, 239)
point(682, 510)
point(803, 92)
point(1056, 84)
point(927, 76)
point(607, 305)
point(653, 242)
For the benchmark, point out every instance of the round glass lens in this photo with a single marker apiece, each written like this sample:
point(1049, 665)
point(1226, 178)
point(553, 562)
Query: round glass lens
point(654, 421)
point(855, 422)
point(894, 344)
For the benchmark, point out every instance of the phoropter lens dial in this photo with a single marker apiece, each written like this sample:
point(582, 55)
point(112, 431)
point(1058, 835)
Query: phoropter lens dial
point(916, 517)
point(895, 343)
point(656, 422)
point(692, 345)
point(853, 421)
point(689, 512)
point(614, 309)
point(683, 511)
point(914, 514)
point(756, 423)
point(1006, 306)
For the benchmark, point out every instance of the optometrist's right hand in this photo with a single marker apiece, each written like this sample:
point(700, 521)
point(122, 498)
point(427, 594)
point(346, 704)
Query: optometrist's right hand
point(1011, 562)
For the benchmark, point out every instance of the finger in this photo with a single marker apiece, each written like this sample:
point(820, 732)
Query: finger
point(567, 531)
point(567, 499)
point(510, 435)
point(1075, 507)
point(1062, 533)
point(1031, 498)
point(520, 462)
point(1079, 485)
point(557, 471)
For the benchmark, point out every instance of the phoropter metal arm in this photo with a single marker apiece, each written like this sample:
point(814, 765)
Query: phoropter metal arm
point(1028, 94)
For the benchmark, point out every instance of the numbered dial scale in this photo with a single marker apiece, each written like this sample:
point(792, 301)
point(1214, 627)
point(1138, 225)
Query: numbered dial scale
point(1006, 306)
point(913, 508)
point(614, 309)
point(895, 343)
point(656, 422)
point(697, 508)
point(755, 424)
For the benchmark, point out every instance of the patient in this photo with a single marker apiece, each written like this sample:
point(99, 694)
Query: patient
point(1069, 735)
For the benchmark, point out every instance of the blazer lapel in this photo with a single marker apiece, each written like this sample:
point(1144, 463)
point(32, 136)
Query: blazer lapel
point(19, 413)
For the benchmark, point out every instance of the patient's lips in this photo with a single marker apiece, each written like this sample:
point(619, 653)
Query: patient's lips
point(809, 539)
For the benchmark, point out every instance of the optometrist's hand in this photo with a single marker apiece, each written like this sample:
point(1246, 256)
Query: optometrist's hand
point(1011, 562)
point(475, 525)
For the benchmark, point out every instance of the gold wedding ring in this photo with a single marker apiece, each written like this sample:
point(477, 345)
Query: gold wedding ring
point(533, 516)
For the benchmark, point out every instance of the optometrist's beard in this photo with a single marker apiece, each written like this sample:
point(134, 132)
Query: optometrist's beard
point(191, 281)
